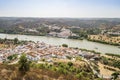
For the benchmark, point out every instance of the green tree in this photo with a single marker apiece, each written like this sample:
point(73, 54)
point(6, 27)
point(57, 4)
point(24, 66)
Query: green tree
point(105, 60)
point(5, 40)
point(23, 64)
point(10, 57)
point(70, 64)
point(16, 40)
point(80, 76)
point(64, 45)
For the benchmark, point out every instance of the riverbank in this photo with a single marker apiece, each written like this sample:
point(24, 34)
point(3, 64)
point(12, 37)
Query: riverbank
point(103, 42)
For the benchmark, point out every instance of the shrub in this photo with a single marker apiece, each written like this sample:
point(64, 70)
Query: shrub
point(70, 64)
point(64, 45)
point(24, 64)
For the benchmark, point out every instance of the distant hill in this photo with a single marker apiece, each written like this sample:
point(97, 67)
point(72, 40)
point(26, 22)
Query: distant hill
point(35, 22)
point(17, 24)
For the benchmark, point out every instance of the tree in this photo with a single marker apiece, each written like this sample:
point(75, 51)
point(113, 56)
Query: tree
point(16, 40)
point(5, 40)
point(24, 64)
point(70, 64)
point(105, 60)
point(64, 45)
point(12, 57)
point(80, 76)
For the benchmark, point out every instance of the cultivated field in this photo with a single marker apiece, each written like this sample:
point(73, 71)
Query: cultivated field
point(104, 38)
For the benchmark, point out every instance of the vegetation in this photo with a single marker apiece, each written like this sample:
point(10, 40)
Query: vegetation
point(24, 64)
point(91, 51)
point(81, 27)
point(93, 31)
point(64, 45)
point(75, 37)
point(115, 75)
point(111, 69)
point(113, 55)
point(16, 40)
point(69, 70)
point(12, 57)
point(69, 57)
point(104, 42)
point(81, 34)
point(55, 71)
point(78, 58)
point(111, 62)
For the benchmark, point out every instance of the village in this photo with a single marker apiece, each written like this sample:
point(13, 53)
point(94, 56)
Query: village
point(41, 52)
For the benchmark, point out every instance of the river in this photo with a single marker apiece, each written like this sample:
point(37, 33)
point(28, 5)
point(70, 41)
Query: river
point(85, 44)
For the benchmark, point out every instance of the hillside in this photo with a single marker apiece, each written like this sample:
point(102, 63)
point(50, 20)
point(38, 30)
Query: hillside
point(36, 22)
point(46, 72)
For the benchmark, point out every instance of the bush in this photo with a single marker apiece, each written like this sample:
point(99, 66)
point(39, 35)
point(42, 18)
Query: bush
point(70, 64)
point(105, 60)
point(64, 45)
point(16, 40)
point(12, 57)
point(115, 75)
point(24, 64)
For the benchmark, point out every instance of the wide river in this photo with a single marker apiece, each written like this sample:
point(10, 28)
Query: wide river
point(103, 48)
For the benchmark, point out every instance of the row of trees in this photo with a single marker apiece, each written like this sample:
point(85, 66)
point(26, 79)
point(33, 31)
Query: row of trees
point(5, 40)
point(113, 55)
point(14, 41)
